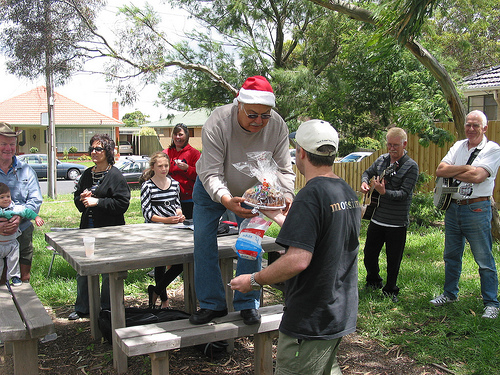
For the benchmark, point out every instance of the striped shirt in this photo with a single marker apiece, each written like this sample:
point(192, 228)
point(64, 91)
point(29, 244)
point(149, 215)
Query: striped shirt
point(155, 201)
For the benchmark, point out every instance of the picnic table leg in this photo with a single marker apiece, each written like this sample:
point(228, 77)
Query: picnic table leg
point(94, 306)
point(26, 356)
point(117, 317)
point(159, 363)
point(226, 268)
point(189, 291)
point(263, 353)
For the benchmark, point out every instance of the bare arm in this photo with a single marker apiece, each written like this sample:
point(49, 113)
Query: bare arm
point(465, 173)
point(287, 266)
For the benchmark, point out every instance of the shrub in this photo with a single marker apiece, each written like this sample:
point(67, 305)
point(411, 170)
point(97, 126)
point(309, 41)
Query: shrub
point(65, 153)
point(84, 158)
point(422, 210)
point(73, 150)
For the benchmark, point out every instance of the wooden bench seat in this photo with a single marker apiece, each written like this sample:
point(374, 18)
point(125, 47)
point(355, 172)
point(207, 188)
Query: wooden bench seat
point(23, 321)
point(157, 339)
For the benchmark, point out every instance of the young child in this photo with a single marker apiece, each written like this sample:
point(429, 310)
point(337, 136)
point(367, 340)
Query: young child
point(9, 247)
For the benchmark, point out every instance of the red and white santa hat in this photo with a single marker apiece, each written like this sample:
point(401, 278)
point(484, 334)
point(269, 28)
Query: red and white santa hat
point(256, 90)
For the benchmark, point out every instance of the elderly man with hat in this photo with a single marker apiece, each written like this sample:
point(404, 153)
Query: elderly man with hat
point(320, 234)
point(248, 124)
point(24, 189)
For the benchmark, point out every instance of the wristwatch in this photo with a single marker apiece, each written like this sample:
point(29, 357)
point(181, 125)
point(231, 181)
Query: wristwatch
point(254, 284)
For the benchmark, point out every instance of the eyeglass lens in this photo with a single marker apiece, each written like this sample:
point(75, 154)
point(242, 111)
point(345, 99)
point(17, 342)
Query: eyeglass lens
point(96, 149)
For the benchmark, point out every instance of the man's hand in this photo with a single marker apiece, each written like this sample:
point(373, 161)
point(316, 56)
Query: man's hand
point(8, 227)
point(276, 215)
point(241, 283)
point(90, 201)
point(379, 185)
point(288, 202)
point(234, 204)
point(365, 188)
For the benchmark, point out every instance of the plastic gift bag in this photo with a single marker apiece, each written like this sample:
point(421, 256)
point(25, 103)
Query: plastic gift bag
point(268, 194)
point(249, 242)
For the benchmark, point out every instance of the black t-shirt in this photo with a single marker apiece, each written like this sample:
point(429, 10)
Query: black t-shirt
point(322, 301)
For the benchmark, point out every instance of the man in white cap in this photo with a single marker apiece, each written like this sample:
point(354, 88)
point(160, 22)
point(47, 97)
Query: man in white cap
point(249, 124)
point(24, 189)
point(320, 234)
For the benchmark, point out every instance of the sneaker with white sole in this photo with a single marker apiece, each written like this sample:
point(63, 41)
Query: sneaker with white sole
point(441, 300)
point(16, 281)
point(490, 312)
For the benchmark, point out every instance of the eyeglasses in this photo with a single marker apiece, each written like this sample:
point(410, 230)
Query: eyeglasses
point(253, 116)
point(96, 149)
point(395, 145)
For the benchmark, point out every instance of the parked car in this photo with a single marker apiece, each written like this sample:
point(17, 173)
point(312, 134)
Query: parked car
point(125, 148)
point(292, 155)
point(355, 156)
point(132, 169)
point(39, 162)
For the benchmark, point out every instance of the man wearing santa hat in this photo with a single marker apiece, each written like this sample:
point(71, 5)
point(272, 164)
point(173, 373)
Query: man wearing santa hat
point(249, 124)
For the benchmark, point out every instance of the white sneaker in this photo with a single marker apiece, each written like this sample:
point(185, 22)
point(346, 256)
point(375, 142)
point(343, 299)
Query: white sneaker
point(490, 312)
point(441, 300)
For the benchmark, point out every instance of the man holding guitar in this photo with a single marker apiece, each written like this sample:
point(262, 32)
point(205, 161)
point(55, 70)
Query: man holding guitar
point(473, 163)
point(390, 218)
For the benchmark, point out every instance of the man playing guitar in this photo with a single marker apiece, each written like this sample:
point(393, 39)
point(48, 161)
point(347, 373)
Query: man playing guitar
point(390, 219)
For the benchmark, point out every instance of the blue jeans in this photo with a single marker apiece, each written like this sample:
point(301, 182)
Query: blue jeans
point(471, 222)
point(207, 274)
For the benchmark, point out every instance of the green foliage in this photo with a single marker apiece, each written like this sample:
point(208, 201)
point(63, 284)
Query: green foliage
point(146, 130)
point(65, 153)
point(84, 157)
point(135, 118)
point(33, 30)
point(73, 150)
point(422, 210)
point(33, 150)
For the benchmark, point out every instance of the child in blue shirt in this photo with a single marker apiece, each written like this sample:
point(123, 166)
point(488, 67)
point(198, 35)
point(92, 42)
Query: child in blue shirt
point(9, 247)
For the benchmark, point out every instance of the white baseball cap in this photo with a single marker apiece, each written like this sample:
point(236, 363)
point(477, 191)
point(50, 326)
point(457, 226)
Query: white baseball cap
point(313, 134)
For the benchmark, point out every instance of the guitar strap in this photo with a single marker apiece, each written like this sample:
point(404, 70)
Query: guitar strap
point(472, 156)
point(400, 162)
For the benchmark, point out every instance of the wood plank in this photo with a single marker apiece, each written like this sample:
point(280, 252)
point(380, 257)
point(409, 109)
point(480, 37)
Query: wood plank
point(145, 342)
point(35, 317)
point(11, 325)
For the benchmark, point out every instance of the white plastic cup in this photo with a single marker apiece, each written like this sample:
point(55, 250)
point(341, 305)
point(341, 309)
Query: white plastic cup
point(88, 244)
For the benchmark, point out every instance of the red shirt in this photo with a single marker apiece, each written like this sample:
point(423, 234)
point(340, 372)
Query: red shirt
point(186, 178)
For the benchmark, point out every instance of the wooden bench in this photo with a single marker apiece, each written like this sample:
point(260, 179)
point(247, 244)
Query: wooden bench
point(23, 321)
point(157, 339)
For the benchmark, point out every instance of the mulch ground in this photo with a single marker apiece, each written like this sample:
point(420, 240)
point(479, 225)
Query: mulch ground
point(74, 352)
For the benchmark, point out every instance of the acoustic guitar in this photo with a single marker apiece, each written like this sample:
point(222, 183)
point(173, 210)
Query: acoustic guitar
point(443, 191)
point(371, 198)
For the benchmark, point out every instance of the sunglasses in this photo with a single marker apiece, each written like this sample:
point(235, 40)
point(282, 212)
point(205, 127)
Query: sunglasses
point(96, 149)
point(253, 116)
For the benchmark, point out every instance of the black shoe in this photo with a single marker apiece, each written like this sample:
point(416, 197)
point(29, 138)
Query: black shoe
point(250, 316)
point(77, 315)
point(392, 296)
point(373, 286)
point(203, 316)
point(151, 293)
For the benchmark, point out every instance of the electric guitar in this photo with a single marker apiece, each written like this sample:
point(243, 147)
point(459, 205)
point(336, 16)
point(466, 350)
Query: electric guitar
point(371, 198)
point(443, 191)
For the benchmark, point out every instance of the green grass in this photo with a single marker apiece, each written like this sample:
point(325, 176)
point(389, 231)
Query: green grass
point(453, 335)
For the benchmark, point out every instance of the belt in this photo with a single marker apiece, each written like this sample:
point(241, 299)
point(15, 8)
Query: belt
point(465, 201)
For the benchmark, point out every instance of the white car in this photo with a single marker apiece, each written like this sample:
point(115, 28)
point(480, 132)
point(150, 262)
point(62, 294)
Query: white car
point(125, 148)
point(355, 156)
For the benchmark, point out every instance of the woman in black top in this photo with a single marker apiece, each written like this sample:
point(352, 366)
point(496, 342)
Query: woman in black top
point(102, 196)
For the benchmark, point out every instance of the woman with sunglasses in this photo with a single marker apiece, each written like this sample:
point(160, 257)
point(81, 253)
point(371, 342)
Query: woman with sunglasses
point(160, 204)
point(102, 196)
point(183, 158)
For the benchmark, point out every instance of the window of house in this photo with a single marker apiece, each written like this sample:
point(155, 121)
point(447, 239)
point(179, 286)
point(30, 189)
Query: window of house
point(484, 103)
point(79, 138)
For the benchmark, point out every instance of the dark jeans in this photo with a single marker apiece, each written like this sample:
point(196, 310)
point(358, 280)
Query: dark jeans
point(163, 279)
point(394, 239)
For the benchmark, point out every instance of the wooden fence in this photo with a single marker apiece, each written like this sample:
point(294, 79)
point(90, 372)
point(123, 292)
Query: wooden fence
point(427, 159)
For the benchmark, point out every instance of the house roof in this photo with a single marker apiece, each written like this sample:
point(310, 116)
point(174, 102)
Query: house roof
point(486, 79)
point(197, 117)
point(26, 109)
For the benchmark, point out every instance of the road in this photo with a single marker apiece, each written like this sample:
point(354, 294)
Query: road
point(62, 186)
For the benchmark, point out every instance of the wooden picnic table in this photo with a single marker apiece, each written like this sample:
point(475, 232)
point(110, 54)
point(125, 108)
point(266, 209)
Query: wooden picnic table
point(137, 246)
